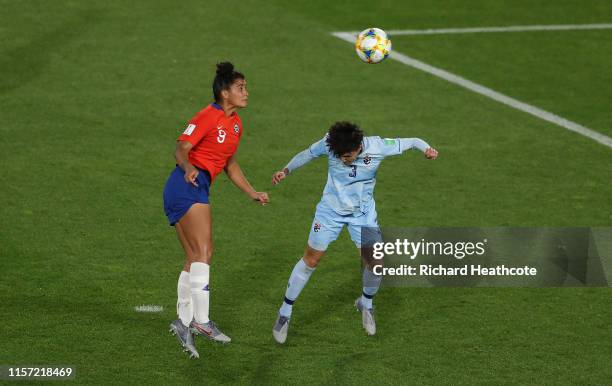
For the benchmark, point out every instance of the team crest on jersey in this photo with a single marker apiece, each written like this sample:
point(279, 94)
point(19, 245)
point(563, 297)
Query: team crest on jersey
point(236, 128)
point(316, 227)
point(367, 159)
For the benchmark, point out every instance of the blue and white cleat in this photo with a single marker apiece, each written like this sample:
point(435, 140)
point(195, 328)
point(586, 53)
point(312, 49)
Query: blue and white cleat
point(182, 333)
point(209, 330)
point(367, 317)
point(279, 331)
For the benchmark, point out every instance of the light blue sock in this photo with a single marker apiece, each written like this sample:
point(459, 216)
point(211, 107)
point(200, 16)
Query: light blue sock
point(371, 283)
point(298, 279)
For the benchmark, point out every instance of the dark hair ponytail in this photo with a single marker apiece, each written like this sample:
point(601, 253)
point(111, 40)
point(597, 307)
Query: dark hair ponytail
point(224, 79)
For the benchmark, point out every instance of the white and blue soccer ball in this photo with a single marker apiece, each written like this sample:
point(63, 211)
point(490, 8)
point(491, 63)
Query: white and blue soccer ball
point(373, 45)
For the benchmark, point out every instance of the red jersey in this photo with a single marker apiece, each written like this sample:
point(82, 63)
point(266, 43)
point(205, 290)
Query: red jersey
point(214, 137)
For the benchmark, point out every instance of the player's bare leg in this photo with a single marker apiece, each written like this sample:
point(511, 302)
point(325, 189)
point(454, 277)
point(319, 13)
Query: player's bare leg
point(196, 230)
point(189, 253)
point(184, 306)
point(298, 279)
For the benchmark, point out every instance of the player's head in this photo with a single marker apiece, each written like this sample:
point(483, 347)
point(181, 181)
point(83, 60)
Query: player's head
point(344, 140)
point(230, 86)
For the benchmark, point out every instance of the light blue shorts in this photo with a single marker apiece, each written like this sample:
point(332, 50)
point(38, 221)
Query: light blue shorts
point(327, 225)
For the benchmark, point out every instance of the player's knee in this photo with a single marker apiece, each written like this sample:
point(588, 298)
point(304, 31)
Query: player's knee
point(311, 261)
point(204, 255)
point(311, 258)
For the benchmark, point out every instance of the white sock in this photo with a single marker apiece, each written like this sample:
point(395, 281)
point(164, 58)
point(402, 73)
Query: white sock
point(198, 278)
point(184, 306)
point(298, 279)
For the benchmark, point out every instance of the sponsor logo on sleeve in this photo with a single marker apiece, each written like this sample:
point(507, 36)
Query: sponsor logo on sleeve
point(389, 141)
point(189, 130)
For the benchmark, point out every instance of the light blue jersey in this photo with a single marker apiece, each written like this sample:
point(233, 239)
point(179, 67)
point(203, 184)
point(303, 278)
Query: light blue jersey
point(349, 189)
point(348, 195)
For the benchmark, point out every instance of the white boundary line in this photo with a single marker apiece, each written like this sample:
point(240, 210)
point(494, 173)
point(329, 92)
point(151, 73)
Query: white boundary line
point(482, 90)
point(512, 28)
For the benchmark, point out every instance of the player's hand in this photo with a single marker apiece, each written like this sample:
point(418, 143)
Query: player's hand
point(279, 176)
point(191, 175)
point(261, 197)
point(431, 153)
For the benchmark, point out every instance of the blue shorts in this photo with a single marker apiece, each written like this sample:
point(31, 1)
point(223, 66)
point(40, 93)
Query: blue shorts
point(328, 224)
point(179, 195)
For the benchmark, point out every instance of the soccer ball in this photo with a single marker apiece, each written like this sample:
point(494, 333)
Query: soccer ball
point(372, 45)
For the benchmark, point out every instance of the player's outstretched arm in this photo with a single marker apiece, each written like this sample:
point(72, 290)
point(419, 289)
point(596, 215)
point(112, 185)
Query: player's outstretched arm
point(411, 143)
point(300, 159)
point(234, 173)
point(317, 149)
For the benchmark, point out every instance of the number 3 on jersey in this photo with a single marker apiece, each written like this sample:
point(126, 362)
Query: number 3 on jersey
point(221, 135)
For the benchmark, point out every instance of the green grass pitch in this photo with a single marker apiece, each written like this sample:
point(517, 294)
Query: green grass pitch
point(94, 93)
